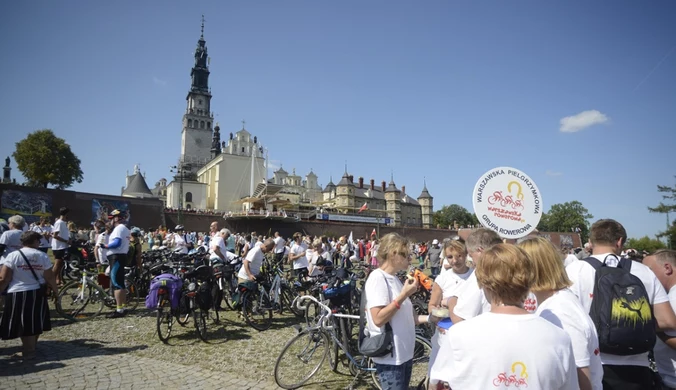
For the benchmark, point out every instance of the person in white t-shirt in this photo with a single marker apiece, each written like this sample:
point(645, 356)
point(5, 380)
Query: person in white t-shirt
point(445, 285)
point(558, 305)
point(101, 242)
point(251, 266)
point(507, 346)
point(180, 240)
point(297, 256)
point(387, 300)
point(218, 251)
point(10, 240)
point(44, 229)
point(316, 267)
point(471, 301)
point(60, 241)
point(607, 238)
point(279, 249)
point(663, 264)
point(117, 250)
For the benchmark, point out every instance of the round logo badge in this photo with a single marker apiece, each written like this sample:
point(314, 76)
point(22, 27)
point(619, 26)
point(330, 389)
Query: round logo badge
point(508, 201)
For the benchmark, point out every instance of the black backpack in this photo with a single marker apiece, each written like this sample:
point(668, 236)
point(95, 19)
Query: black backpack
point(621, 310)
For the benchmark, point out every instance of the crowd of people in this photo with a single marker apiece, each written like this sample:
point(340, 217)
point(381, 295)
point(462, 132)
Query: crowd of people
point(525, 315)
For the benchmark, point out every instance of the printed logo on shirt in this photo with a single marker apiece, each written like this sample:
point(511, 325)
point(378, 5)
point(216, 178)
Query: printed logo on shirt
point(530, 305)
point(597, 351)
point(517, 378)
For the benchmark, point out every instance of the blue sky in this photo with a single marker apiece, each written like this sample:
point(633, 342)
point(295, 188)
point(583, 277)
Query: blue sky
point(441, 89)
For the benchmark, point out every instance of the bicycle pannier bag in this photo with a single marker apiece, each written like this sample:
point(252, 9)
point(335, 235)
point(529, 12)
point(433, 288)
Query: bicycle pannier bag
point(172, 283)
point(621, 310)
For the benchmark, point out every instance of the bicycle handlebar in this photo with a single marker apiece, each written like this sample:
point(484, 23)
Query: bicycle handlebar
point(326, 311)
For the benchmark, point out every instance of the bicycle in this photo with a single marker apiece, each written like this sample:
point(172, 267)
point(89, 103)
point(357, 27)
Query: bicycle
point(313, 342)
point(76, 297)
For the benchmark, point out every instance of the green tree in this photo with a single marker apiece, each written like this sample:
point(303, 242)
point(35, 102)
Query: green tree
point(644, 244)
point(44, 159)
point(567, 217)
point(666, 208)
point(454, 214)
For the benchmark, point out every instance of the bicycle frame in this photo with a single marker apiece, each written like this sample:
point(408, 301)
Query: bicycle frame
point(324, 325)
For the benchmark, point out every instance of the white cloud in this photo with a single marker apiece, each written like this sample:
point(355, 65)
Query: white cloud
point(553, 173)
point(160, 82)
point(577, 122)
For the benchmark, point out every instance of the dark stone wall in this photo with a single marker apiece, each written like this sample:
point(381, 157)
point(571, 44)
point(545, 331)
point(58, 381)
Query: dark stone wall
point(145, 213)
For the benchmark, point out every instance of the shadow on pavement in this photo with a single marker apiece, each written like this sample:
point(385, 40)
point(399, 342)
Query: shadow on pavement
point(53, 354)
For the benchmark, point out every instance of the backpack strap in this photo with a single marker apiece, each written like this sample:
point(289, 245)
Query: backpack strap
point(594, 262)
point(625, 264)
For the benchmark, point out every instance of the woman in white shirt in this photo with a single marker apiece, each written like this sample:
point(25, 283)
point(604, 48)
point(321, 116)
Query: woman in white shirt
point(314, 256)
point(26, 312)
point(558, 305)
point(45, 230)
point(387, 300)
point(446, 285)
point(506, 346)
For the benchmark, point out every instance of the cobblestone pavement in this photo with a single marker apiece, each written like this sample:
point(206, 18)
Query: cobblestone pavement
point(84, 364)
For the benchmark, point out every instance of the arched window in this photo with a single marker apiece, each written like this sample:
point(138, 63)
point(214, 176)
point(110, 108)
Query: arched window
point(209, 125)
point(202, 124)
point(189, 122)
point(188, 206)
point(242, 149)
point(188, 196)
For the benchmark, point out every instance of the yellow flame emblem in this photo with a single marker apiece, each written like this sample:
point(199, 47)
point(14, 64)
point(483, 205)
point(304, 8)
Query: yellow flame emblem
point(519, 193)
point(524, 373)
point(634, 312)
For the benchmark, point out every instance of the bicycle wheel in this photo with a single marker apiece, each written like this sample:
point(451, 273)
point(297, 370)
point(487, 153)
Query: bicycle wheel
point(312, 313)
point(165, 320)
point(213, 313)
point(287, 301)
point(333, 352)
point(421, 359)
point(200, 318)
point(301, 358)
point(77, 303)
point(183, 311)
point(132, 295)
point(256, 313)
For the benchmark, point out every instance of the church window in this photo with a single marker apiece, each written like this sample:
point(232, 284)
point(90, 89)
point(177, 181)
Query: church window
point(188, 196)
point(199, 102)
point(202, 124)
point(188, 207)
point(209, 125)
point(189, 122)
point(242, 149)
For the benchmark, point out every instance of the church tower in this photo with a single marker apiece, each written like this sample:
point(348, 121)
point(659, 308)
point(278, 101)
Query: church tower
point(393, 202)
point(426, 204)
point(196, 137)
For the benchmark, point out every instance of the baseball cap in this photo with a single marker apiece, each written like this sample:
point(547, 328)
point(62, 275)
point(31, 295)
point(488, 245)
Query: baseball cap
point(116, 213)
point(435, 242)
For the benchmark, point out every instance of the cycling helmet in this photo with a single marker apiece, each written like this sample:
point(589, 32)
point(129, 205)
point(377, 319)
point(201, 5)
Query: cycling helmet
point(135, 231)
point(179, 228)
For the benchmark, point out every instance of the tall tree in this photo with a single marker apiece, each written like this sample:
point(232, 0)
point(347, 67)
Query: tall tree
point(452, 215)
point(44, 159)
point(644, 244)
point(666, 208)
point(567, 217)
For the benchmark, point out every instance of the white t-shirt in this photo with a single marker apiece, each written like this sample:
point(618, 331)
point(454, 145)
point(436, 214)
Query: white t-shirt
point(582, 274)
point(665, 357)
point(403, 324)
point(61, 227)
point(300, 262)
point(180, 245)
point(313, 261)
point(102, 239)
point(500, 350)
point(12, 241)
point(570, 259)
point(564, 310)
point(123, 233)
point(279, 244)
point(471, 299)
point(217, 242)
point(255, 258)
point(42, 230)
point(449, 282)
point(22, 277)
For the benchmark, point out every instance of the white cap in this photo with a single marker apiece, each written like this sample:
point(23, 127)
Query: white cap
point(435, 242)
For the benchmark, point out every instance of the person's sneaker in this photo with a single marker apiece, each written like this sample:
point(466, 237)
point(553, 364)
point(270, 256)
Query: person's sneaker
point(116, 314)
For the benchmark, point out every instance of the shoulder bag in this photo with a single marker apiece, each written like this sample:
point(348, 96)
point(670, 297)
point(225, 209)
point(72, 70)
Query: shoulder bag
point(377, 345)
point(43, 286)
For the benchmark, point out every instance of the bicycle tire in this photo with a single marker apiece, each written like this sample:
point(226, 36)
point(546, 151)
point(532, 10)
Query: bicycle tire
point(183, 317)
point(200, 319)
point(287, 298)
point(69, 296)
point(421, 359)
point(213, 313)
point(164, 315)
point(251, 308)
point(132, 295)
point(312, 311)
point(314, 338)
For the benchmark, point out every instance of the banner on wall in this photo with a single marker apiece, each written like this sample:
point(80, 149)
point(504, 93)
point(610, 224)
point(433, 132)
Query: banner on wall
point(30, 205)
point(508, 201)
point(102, 207)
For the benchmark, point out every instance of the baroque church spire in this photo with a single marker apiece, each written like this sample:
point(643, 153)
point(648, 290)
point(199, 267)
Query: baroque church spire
point(200, 72)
